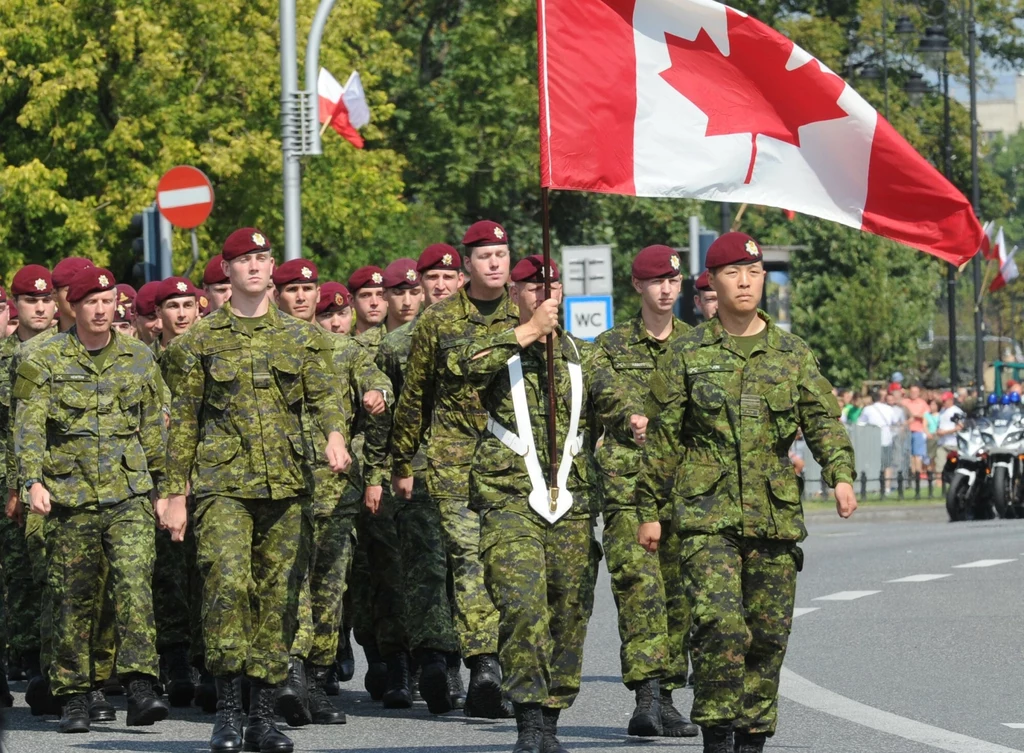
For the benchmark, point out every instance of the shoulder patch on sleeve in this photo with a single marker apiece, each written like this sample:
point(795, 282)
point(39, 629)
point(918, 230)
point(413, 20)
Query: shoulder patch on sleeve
point(32, 373)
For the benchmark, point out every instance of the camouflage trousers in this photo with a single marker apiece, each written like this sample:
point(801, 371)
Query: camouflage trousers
point(78, 542)
point(35, 541)
point(476, 619)
point(741, 593)
point(104, 632)
point(541, 577)
point(376, 619)
point(639, 598)
point(23, 597)
point(677, 608)
point(171, 590)
point(253, 555)
point(323, 590)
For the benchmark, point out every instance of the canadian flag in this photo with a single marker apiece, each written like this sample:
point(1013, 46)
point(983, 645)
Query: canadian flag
point(344, 107)
point(691, 98)
point(1007, 264)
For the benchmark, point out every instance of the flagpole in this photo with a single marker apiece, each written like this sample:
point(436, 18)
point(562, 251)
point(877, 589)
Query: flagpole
point(552, 405)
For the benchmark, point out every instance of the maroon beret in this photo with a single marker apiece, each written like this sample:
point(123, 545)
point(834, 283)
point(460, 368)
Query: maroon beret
point(438, 256)
point(733, 248)
point(67, 269)
point(214, 272)
point(12, 311)
point(703, 283)
point(333, 297)
point(145, 301)
point(656, 262)
point(401, 273)
point(366, 277)
point(531, 269)
point(485, 233)
point(125, 293)
point(296, 270)
point(89, 281)
point(204, 305)
point(244, 241)
point(175, 287)
point(32, 279)
point(124, 311)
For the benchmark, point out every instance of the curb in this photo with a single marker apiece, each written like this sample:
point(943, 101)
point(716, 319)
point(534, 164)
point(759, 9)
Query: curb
point(876, 514)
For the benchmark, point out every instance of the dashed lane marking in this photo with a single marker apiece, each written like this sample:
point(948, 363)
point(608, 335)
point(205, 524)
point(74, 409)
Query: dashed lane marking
point(846, 595)
point(801, 611)
point(921, 578)
point(1014, 725)
point(982, 563)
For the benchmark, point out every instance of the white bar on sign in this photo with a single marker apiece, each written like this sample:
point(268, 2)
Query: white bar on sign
point(184, 197)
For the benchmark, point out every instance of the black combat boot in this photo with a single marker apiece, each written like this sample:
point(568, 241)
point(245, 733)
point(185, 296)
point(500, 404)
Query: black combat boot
point(397, 694)
point(180, 685)
point(100, 709)
point(346, 662)
point(749, 742)
point(550, 743)
point(293, 698)
point(376, 679)
point(484, 698)
point(6, 699)
point(74, 715)
point(414, 680)
point(530, 724)
point(261, 735)
point(320, 706)
point(227, 730)
point(673, 722)
point(39, 698)
point(456, 688)
point(646, 719)
point(112, 686)
point(206, 690)
point(332, 685)
point(716, 739)
point(434, 682)
point(145, 708)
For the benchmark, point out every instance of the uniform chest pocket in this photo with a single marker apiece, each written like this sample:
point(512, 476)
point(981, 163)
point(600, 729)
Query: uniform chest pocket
point(782, 406)
point(288, 370)
point(708, 395)
point(131, 402)
point(223, 373)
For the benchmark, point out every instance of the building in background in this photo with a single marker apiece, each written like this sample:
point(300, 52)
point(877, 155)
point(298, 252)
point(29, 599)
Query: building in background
point(1005, 116)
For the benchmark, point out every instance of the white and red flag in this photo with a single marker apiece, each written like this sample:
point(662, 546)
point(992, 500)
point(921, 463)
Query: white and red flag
point(691, 98)
point(344, 107)
point(1007, 265)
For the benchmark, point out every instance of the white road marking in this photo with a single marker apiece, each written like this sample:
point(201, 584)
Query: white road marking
point(801, 611)
point(1013, 725)
point(922, 578)
point(843, 535)
point(983, 563)
point(185, 197)
point(846, 595)
point(806, 693)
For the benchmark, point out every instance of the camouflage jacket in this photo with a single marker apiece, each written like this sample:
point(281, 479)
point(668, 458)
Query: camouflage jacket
point(356, 375)
point(499, 477)
point(93, 437)
point(717, 451)
point(238, 406)
point(438, 407)
point(372, 338)
point(8, 347)
point(20, 350)
point(624, 360)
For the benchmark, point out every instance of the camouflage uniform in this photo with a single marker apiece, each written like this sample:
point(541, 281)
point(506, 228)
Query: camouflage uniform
point(336, 503)
point(95, 436)
point(437, 406)
point(414, 561)
point(624, 360)
point(541, 576)
point(241, 388)
point(716, 463)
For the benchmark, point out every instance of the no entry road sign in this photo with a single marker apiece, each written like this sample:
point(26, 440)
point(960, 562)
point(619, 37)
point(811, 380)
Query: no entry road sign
point(184, 196)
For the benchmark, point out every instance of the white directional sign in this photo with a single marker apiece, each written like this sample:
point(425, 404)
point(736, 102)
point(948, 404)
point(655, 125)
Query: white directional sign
point(588, 316)
point(587, 270)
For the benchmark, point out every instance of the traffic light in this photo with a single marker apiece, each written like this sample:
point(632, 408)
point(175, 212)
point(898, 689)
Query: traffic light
point(145, 229)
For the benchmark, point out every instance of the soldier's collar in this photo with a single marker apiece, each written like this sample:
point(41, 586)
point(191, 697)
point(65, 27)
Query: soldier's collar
point(714, 332)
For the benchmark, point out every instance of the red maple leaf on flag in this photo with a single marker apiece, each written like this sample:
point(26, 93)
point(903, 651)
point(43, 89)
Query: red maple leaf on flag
point(750, 90)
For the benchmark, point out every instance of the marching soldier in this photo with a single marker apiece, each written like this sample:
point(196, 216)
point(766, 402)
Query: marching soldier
point(242, 380)
point(538, 546)
point(124, 310)
point(437, 406)
point(89, 439)
point(336, 313)
point(706, 299)
point(625, 358)
point(216, 284)
point(366, 285)
point(147, 319)
point(723, 409)
point(335, 505)
point(63, 273)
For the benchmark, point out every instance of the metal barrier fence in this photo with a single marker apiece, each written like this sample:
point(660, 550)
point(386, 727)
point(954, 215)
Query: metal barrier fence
point(881, 471)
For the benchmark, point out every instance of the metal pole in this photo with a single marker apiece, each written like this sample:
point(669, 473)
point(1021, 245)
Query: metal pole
point(951, 271)
point(552, 404)
point(166, 248)
point(979, 318)
point(885, 56)
point(316, 32)
point(726, 218)
point(289, 133)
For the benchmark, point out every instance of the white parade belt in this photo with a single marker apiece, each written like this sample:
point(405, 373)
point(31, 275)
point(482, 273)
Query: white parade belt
point(550, 504)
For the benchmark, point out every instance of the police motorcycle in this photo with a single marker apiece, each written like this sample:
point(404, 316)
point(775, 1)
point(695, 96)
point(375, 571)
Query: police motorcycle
point(1004, 445)
point(966, 472)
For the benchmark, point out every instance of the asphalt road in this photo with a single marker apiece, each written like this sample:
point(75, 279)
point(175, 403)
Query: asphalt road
point(909, 667)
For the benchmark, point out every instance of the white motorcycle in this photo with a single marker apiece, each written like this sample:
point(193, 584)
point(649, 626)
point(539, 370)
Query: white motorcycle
point(966, 472)
point(1004, 445)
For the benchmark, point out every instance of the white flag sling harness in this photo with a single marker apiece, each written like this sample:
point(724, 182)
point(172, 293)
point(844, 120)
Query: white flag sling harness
point(547, 505)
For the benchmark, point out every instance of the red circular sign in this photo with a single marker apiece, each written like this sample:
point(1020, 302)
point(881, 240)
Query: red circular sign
point(184, 196)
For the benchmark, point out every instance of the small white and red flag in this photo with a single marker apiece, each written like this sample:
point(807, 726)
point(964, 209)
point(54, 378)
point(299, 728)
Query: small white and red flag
point(691, 98)
point(343, 107)
point(1007, 264)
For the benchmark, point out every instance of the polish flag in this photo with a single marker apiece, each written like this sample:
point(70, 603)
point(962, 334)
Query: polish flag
point(988, 250)
point(690, 98)
point(344, 107)
point(1007, 265)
